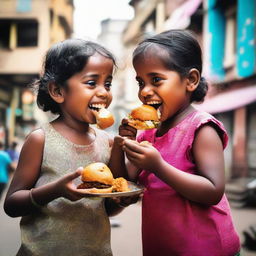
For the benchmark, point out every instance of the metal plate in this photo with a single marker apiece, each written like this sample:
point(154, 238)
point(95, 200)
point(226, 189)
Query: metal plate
point(135, 189)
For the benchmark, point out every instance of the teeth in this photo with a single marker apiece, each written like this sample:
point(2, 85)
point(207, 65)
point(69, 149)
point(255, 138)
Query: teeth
point(97, 106)
point(153, 102)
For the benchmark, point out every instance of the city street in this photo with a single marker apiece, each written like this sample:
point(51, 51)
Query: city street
point(126, 240)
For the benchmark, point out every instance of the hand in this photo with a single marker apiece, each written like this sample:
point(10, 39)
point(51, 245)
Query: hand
point(142, 155)
point(126, 201)
point(66, 187)
point(127, 131)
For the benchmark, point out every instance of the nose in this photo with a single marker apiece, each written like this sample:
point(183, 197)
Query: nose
point(102, 92)
point(146, 91)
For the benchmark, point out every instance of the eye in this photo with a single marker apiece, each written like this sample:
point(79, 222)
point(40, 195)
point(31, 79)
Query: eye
point(91, 83)
point(140, 82)
point(108, 85)
point(156, 80)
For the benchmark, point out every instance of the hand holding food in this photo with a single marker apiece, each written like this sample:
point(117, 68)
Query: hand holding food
point(104, 118)
point(143, 117)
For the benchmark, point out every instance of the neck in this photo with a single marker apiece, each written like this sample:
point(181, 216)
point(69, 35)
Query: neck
point(175, 119)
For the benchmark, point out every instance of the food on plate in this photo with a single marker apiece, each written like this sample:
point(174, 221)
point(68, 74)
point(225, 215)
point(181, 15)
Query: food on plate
point(98, 178)
point(120, 185)
point(143, 117)
point(104, 118)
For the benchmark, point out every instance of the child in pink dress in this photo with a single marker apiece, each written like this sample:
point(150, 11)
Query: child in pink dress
point(184, 209)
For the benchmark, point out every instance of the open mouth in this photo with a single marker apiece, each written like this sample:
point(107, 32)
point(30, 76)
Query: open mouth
point(155, 104)
point(97, 107)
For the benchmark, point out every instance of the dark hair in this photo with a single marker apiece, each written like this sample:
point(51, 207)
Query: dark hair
point(62, 61)
point(183, 54)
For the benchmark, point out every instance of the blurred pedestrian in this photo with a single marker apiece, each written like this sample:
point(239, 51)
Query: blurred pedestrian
point(57, 219)
point(13, 153)
point(184, 209)
point(5, 168)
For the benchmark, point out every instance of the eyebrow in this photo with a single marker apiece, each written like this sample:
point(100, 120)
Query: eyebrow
point(150, 75)
point(95, 76)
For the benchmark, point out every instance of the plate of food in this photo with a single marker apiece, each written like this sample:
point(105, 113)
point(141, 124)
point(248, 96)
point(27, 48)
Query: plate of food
point(98, 181)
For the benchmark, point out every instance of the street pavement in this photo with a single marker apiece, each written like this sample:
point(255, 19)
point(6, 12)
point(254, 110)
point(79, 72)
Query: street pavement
point(125, 239)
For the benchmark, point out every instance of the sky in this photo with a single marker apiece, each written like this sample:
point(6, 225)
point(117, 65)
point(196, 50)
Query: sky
point(89, 13)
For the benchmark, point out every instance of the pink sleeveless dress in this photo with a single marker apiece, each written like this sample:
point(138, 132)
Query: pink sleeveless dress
point(171, 224)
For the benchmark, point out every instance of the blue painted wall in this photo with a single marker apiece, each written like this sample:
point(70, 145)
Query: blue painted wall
point(24, 5)
point(246, 48)
point(216, 30)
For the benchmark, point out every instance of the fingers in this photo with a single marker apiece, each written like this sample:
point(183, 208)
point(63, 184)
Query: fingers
point(133, 146)
point(74, 174)
point(126, 201)
point(127, 131)
point(125, 121)
point(119, 140)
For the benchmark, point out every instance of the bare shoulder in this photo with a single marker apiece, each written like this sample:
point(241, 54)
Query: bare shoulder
point(35, 140)
point(207, 134)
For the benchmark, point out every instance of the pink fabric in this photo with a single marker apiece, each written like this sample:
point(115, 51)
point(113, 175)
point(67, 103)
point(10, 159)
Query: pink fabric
point(171, 224)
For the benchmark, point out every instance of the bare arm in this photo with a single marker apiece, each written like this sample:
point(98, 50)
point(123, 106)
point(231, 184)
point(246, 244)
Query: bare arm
point(117, 159)
point(207, 187)
point(18, 201)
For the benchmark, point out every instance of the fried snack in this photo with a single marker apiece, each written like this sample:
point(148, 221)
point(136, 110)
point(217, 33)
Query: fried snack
point(104, 118)
point(120, 185)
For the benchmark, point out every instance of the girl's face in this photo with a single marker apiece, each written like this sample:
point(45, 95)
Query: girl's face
point(160, 86)
point(88, 90)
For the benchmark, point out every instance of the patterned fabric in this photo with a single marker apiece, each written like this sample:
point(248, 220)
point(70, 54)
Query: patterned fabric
point(171, 224)
point(63, 227)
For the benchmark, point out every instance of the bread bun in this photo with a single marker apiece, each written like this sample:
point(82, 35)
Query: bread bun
point(143, 117)
point(97, 172)
point(97, 178)
point(144, 113)
point(104, 118)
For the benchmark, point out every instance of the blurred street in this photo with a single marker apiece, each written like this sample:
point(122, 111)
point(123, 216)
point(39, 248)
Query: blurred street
point(126, 240)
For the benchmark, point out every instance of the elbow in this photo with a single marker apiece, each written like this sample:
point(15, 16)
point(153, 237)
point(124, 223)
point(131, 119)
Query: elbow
point(8, 209)
point(215, 198)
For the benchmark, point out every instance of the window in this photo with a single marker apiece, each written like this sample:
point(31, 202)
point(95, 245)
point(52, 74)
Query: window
point(27, 33)
point(18, 33)
point(230, 40)
point(5, 34)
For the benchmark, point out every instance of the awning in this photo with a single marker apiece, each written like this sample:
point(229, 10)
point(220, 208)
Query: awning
point(180, 18)
point(228, 101)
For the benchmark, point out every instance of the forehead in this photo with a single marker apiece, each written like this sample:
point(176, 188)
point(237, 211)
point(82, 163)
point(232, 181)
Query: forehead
point(99, 63)
point(151, 57)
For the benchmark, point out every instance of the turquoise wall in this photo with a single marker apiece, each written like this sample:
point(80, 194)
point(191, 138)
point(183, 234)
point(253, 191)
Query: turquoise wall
point(246, 48)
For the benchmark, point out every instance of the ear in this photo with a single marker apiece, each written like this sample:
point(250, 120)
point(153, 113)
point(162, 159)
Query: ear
point(56, 92)
point(193, 79)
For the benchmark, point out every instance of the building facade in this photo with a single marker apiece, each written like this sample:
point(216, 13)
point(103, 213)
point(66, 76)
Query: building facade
point(27, 28)
point(226, 32)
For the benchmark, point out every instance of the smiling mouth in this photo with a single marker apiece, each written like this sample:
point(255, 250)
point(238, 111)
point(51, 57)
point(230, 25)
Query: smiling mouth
point(97, 107)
